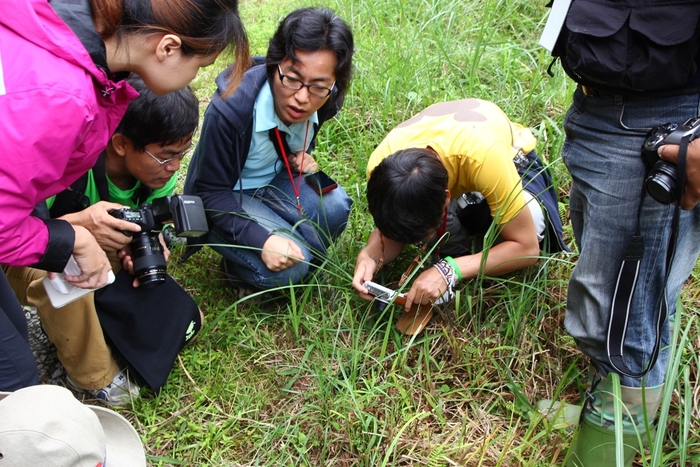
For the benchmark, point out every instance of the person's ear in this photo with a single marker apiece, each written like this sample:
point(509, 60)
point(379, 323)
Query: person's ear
point(447, 199)
point(119, 143)
point(168, 46)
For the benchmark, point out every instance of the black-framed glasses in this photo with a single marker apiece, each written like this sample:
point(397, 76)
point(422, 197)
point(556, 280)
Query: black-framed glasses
point(179, 156)
point(297, 84)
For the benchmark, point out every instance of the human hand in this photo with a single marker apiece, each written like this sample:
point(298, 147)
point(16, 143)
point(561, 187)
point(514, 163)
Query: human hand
point(166, 250)
point(91, 259)
point(106, 229)
point(669, 153)
point(428, 287)
point(365, 267)
point(295, 161)
point(126, 259)
point(280, 253)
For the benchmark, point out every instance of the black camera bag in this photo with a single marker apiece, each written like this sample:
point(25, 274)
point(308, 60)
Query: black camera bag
point(147, 326)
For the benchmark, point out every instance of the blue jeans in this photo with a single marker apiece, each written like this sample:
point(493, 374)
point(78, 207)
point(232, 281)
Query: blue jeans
point(17, 365)
point(604, 136)
point(274, 207)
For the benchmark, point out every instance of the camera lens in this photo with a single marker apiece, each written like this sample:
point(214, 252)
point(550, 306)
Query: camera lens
point(661, 182)
point(149, 262)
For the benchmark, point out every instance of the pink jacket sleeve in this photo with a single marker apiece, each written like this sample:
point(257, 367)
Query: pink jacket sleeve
point(39, 133)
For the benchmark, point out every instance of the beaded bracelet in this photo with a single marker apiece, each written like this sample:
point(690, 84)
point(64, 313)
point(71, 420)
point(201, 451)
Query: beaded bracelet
point(447, 272)
point(455, 267)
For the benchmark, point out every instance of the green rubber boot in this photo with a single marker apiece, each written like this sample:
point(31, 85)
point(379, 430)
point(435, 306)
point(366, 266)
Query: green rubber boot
point(595, 447)
point(595, 444)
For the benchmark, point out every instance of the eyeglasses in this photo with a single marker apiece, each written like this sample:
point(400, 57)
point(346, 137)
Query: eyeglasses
point(179, 156)
point(297, 84)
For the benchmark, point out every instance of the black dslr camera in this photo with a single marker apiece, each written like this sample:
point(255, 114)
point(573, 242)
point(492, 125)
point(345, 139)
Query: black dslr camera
point(661, 181)
point(186, 212)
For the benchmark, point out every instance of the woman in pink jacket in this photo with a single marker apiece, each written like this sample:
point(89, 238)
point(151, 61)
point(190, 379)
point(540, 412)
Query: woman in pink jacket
point(62, 94)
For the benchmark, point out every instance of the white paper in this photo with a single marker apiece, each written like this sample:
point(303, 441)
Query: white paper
point(554, 23)
point(61, 292)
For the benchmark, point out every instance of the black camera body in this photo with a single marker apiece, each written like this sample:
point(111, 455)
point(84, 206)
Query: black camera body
point(188, 216)
point(661, 180)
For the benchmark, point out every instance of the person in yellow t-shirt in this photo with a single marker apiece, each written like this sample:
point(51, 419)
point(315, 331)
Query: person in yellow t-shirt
point(443, 178)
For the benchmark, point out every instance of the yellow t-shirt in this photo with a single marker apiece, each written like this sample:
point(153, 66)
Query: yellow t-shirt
point(476, 142)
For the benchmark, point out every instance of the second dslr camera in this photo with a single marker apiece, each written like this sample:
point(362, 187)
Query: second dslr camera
point(187, 214)
point(661, 181)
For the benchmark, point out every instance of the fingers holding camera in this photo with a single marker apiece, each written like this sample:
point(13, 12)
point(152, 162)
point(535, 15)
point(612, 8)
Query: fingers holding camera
point(127, 261)
point(365, 267)
point(107, 230)
point(669, 153)
point(379, 250)
point(428, 287)
point(92, 261)
point(280, 253)
point(166, 250)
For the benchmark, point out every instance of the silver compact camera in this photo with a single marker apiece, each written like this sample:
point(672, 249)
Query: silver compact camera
point(381, 293)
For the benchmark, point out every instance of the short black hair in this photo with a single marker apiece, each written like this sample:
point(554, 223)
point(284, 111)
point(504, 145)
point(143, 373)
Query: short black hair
point(406, 194)
point(310, 30)
point(163, 119)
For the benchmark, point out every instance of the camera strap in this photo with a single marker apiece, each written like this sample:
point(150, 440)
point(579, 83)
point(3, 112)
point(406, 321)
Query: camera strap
point(73, 198)
point(627, 281)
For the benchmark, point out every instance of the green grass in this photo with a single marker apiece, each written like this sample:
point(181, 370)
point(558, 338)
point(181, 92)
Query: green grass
point(324, 379)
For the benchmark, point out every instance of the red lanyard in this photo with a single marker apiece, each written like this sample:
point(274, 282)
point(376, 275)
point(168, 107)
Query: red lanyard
point(295, 187)
point(440, 231)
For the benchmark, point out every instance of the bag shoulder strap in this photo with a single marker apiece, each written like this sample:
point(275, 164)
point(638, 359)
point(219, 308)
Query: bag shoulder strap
point(73, 198)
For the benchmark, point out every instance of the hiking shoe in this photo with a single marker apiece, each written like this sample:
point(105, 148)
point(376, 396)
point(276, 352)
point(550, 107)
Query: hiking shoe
point(240, 288)
point(121, 391)
point(172, 240)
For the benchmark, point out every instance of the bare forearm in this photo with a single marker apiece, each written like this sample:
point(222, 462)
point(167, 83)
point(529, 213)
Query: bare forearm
point(500, 259)
point(381, 248)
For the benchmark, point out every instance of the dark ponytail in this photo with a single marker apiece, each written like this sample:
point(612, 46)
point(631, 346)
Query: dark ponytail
point(205, 27)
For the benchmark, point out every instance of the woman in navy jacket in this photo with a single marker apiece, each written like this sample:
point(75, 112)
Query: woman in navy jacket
point(252, 161)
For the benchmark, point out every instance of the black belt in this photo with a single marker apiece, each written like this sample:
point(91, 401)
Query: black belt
point(606, 92)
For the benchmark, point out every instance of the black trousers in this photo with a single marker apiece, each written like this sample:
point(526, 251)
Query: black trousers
point(17, 363)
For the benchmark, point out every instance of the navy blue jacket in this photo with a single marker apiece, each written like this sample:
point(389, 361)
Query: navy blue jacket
point(222, 151)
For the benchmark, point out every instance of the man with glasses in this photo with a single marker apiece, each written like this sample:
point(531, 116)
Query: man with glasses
point(252, 167)
point(463, 179)
point(146, 327)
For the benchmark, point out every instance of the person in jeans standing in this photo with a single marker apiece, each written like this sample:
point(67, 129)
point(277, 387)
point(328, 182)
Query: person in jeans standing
point(637, 68)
